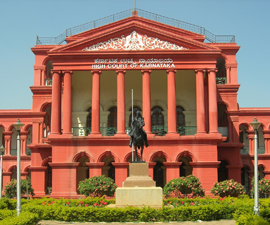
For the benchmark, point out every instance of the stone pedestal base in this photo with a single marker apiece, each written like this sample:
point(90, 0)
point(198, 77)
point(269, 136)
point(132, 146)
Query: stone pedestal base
point(138, 176)
point(139, 197)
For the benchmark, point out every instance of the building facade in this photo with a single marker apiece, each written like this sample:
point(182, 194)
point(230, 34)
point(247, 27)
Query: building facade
point(184, 83)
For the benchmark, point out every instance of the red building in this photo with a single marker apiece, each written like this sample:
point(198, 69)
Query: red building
point(185, 83)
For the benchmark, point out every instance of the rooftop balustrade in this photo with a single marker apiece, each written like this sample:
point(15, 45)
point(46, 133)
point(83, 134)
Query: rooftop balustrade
point(61, 39)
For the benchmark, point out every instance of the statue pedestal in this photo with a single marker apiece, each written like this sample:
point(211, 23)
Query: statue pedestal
point(139, 189)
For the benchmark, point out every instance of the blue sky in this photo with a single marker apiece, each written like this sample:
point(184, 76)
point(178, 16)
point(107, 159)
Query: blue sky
point(22, 20)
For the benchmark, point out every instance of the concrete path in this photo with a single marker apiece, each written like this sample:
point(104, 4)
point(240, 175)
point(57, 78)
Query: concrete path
point(219, 222)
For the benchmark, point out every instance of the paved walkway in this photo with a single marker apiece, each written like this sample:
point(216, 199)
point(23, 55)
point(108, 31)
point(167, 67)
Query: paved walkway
point(219, 222)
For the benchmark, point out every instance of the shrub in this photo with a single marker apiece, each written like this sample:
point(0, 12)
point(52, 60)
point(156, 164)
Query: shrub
point(11, 188)
point(97, 186)
point(251, 220)
point(264, 187)
point(25, 218)
point(228, 188)
point(4, 213)
point(189, 186)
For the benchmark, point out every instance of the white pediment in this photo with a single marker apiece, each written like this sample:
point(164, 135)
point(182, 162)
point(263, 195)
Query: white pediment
point(134, 41)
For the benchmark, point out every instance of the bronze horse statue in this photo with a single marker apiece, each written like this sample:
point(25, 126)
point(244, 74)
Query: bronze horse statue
point(138, 136)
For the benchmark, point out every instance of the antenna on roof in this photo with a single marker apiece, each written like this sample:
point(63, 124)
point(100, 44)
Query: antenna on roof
point(134, 12)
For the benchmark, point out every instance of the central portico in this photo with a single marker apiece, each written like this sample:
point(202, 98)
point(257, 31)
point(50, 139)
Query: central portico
point(173, 73)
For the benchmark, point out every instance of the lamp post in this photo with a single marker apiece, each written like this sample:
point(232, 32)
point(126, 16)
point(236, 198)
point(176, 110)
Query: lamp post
point(18, 126)
point(2, 151)
point(255, 124)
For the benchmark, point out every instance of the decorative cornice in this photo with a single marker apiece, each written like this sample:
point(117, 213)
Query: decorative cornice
point(132, 42)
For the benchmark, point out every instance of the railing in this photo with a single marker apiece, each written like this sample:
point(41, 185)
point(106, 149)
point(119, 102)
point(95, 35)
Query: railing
point(81, 131)
point(261, 151)
point(159, 130)
point(187, 130)
point(13, 152)
point(244, 151)
point(111, 131)
point(108, 131)
point(60, 39)
point(221, 80)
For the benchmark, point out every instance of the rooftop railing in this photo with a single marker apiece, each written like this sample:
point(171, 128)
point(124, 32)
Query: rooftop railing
point(60, 39)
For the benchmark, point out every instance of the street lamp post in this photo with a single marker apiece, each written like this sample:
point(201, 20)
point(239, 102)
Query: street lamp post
point(18, 126)
point(2, 151)
point(255, 124)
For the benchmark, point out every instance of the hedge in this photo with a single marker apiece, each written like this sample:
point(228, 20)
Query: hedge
point(25, 218)
point(87, 210)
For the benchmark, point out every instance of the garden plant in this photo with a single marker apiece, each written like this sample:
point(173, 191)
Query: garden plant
point(264, 187)
point(94, 210)
point(26, 188)
point(228, 188)
point(189, 186)
point(97, 186)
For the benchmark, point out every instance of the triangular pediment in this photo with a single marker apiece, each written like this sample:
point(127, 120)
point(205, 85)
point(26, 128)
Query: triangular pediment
point(134, 34)
point(134, 42)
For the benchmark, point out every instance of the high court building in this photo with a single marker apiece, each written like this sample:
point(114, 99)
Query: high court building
point(185, 83)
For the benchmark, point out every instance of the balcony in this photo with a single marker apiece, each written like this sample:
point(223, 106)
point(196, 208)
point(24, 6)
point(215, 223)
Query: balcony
point(111, 131)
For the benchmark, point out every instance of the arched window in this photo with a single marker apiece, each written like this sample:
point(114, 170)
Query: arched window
point(29, 141)
point(243, 138)
point(47, 122)
point(223, 121)
point(180, 120)
point(135, 109)
point(222, 171)
point(185, 168)
point(245, 178)
point(157, 120)
point(221, 73)
point(48, 78)
point(112, 122)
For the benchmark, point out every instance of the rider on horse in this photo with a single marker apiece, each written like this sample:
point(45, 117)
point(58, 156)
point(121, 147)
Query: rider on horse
point(140, 123)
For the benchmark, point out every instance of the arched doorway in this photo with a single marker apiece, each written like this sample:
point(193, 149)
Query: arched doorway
point(222, 171)
point(14, 173)
point(261, 172)
point(185, 168)
point(108, 169)
point(83, 169)
point(159, 172)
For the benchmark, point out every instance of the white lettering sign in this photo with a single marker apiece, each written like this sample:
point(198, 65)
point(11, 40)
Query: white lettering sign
point(131, 64)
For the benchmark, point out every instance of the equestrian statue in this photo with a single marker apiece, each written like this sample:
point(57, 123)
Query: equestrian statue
point(138, 137)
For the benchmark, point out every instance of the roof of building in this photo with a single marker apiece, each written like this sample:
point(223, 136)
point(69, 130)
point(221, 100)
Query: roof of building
point(209, 37)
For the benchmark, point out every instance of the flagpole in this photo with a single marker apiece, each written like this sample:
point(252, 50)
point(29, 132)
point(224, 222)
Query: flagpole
point(131, 122)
